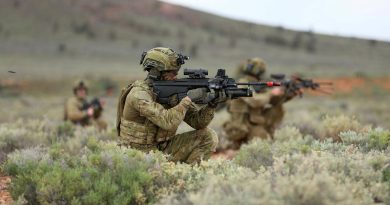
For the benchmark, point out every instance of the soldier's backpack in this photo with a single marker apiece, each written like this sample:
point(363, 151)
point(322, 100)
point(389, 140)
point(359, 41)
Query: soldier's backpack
point(121, 104)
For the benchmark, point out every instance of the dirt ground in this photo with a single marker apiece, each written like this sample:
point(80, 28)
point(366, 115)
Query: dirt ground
point(349, 84)
point(5, 196)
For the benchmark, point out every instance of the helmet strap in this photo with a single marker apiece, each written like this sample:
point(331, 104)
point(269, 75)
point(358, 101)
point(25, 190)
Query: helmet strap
point(154, 74)
point(142, 57)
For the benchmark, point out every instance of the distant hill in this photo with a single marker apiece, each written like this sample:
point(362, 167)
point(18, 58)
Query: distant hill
point(105, 38)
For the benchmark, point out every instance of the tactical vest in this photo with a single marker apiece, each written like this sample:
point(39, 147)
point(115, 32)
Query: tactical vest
point(140, 133)
point(83, 122)
point(249, 114)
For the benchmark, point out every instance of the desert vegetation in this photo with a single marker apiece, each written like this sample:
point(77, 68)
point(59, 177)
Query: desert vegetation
point(330, 149)
point(62, 164)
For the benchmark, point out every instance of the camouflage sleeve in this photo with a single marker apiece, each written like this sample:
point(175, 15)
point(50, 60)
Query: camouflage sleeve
point(73, 111)
point(166, 119)
point(199, 118)
point(287, 96)
point(258, 100)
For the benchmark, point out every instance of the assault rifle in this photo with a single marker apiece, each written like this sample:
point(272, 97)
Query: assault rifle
point(96, 105)
point(177, 89)
point(296, 83)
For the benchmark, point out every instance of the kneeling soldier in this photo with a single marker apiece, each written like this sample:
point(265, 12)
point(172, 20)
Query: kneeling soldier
point(144, 124)
point(255, 117)
point(80, 112)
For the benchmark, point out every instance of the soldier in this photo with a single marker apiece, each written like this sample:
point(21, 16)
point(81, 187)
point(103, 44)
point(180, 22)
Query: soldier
point(146, 125)
point(79, 112)
point(257, 116)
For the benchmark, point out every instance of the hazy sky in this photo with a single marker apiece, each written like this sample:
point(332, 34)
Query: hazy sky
point(359, 18)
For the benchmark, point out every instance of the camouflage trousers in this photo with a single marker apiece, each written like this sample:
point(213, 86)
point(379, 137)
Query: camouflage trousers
point(189, 147)
point(237, 133)
point(99, 123)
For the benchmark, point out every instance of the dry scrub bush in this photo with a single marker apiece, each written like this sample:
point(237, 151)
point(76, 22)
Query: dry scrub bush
point(219, 190)
point(331, 127)
point(255, 155)
point(316, 178)
point(292, 169)
point(376, 139)
point(202, 177)
point(25, 134)
point(259, 153)
point(104, 173)
point(30, 133)
point(361, 173)
point(99, 173)
point(287, 133)
point(307, 171)
point(22, 134)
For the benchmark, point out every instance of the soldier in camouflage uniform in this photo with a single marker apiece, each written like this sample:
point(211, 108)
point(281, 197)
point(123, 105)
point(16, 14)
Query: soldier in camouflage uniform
point(76, 111)
point(146, 125)
point(258, 116)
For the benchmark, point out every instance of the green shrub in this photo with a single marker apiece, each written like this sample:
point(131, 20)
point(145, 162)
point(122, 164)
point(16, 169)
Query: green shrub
point(379, 139)
point(105, 174)
point(386, 173)
point(376, 139)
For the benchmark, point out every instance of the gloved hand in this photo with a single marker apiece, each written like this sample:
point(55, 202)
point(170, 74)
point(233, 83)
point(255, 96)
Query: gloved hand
point(220, 97)
point(297, 91)
point(277, 91)
point(197, 94)
point(90, 112)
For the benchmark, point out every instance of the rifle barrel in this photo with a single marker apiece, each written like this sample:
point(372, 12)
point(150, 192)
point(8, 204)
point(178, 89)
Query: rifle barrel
point(266, 84)
point(325, 83)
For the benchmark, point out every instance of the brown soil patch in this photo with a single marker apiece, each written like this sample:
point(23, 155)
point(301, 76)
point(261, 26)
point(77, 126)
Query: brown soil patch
point(225, 154)
point(5, 196)
point(350, 84)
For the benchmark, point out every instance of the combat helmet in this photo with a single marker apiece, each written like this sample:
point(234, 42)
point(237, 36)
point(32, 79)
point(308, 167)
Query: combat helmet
point(162, 59)
point(254, 66)
point(79, 84)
